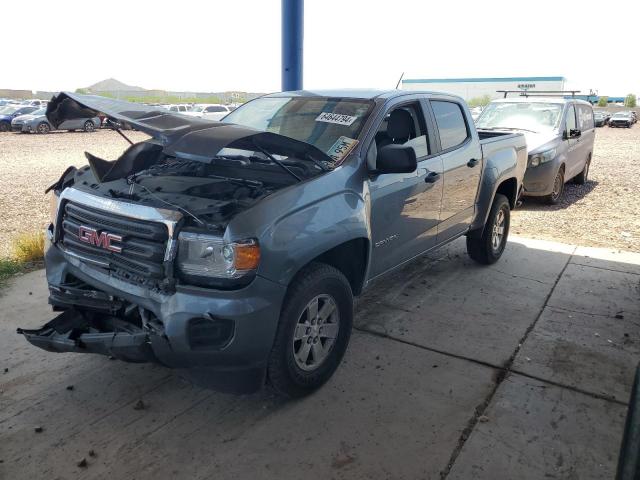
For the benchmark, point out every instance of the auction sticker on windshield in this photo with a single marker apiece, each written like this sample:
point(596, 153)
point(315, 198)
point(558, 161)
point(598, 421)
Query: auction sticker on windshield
point(342, 148)
point(337, 118)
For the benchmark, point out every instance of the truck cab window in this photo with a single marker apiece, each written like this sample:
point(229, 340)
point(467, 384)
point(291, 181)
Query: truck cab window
point(451, 124)
point(404, 126)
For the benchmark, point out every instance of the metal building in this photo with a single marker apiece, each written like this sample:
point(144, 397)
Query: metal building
point(469, 88)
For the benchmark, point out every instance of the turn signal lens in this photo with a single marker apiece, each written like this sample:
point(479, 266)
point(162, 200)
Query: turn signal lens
point(247, 256)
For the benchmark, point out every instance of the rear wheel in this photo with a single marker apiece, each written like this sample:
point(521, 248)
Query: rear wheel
point(488, 248)
point(43, 128)
point(313, 332)
point(581, 178)
point(558, 188)
point(89, 126)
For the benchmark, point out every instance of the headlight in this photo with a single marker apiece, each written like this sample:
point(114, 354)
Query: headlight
point(207, 260)
point(53, 206)
point(542, 157)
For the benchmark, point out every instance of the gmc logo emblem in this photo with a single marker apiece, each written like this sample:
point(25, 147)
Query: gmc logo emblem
point(99, 239)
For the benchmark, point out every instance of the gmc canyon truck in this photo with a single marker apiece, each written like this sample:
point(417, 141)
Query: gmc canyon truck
point(233, 250)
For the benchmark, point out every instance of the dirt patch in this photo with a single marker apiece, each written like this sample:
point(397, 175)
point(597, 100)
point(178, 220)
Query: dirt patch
point(29, 163)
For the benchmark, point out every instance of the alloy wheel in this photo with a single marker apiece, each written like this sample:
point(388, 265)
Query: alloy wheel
point(316, 332)
point(497, 234)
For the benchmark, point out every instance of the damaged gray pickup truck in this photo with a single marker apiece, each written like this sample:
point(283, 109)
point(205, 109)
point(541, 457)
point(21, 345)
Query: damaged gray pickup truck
point(233, 250)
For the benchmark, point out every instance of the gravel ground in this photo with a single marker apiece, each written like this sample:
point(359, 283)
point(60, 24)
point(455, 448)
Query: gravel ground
point(604, 212)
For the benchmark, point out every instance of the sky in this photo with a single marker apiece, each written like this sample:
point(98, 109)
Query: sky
point(219, 45)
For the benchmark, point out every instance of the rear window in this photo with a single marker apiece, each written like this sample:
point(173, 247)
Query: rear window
point(452, 126)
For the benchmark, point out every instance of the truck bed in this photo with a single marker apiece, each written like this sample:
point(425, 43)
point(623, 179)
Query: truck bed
point(504, 149)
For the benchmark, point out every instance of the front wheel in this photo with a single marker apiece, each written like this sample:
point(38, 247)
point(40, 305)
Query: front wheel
point(89, 126)
point(313, 332)
point(488, 248)
point(558, 189)
point(4, 127)
point(43, 128)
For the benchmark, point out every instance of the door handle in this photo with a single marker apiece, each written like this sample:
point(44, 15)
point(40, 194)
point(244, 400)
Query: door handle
point(472, 163)
point(432, 177)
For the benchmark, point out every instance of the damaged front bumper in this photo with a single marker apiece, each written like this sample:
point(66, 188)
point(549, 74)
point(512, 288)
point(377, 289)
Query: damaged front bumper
point(220, 339)
point(76, 331)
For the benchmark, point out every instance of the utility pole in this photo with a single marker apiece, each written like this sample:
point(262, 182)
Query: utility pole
point(292, 40)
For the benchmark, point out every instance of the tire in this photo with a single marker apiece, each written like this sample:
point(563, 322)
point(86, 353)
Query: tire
point(89, 126)
point(558, 188)
point(582, 177)
point(43, 128)
point(291, 368)
point(4, 127)
point(488, 248)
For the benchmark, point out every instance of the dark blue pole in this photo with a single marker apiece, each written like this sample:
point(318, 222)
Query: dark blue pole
point(292, 38)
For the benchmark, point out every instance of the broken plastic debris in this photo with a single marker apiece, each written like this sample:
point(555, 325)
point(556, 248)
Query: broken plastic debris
point(483, 418)
point(597, 334)
point(82, 463)
point(38, 429)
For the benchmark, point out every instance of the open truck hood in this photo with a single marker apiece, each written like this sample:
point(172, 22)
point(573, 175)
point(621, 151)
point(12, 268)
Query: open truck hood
point(180, 135)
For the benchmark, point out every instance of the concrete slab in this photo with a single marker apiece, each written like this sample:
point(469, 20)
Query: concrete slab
point(610, 259)
point(391, 408)
point(598, 291)
point(451, 304)
point(535, 430)
point(594, 353)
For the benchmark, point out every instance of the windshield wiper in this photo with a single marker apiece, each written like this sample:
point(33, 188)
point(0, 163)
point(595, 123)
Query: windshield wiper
point(277, 162)
point(509, 128)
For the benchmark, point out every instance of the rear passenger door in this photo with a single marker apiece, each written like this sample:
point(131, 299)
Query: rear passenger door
point(462, 163)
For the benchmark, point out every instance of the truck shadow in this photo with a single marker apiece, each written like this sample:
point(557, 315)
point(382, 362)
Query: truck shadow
point(572, 194)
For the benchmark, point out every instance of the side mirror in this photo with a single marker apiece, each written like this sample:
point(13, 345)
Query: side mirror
point(396, 159)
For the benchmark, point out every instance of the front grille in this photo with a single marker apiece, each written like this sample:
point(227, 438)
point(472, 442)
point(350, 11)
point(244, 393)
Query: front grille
point(143, 243)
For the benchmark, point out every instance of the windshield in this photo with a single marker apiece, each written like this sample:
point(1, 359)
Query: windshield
point(621, 115)
point(40, 111)
point(323, 122)
point(536, 117)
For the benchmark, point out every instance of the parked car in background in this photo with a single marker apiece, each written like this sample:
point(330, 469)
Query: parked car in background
point(236, 252)
point(37, 122)
point(475, 113)
point(560, 134)
point(621, 119)
point(600, 119)
point(7, 114)
point(35, 103)
point(179, 108)
point(212, 111)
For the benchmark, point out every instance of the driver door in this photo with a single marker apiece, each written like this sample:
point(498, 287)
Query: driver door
point(573, 143)
point(405, 207)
